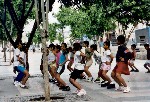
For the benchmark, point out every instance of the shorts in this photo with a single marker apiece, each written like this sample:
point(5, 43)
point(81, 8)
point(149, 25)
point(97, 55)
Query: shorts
point(52, 65)
point(122, 68)
point(105, 67)
point(61, 69)
point(21, 69)
point(89, 63)
point(76, 74)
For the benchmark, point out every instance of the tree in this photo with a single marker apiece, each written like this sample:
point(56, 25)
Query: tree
point(52, 31)
point(91, 21)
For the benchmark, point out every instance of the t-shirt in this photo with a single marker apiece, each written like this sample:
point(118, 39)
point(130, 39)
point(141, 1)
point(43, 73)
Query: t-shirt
point(51, 57)
point(23, 56)
point(123, 52)
point(57, 58)
point(106, 57)
point(16, 53)
point(77, 61)
point(62, 57)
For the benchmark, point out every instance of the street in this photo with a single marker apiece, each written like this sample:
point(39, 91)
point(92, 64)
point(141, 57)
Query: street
point(138, 81)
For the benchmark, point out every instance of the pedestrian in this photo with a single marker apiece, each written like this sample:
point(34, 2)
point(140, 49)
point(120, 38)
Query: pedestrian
point(122, 58)
point(22, 67)
point(88, 61)
point(107, 59)
point(62, 61)
point(71, 52)
point(52, 62)
point(131, 62)
point(78, 69)
point(16, 63)
point(147, 63)
point(97, 58)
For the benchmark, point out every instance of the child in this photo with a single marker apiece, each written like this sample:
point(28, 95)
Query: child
point(121, 67)
point(89, 61)
point(147, 63)
point(52, 62)
point(62, 61)
point(97, 58)
point(107, 59)
point(131, 62)
point(78, 70)
point(71, 59)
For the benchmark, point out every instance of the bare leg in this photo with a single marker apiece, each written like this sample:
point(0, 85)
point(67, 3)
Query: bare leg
point(86, 70)
point(26, 77)
point(104, 73)
point(60, 80)
point(121, 80)
point(113, 75)
point(76, 84)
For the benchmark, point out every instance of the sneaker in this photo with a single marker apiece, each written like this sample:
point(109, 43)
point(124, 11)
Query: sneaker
point(147, 72)
point(136, 70)
point(66, 88)
point(23, 86)
point(54, 81)
point(81, 92)
point(110, 86)
point(16, 83)
point(90, 79)
point(97, 80)
point(61, 87)
point(132, 70)
point(51, 80)
point(104, 84)
point(120, 88)
point(126, 90)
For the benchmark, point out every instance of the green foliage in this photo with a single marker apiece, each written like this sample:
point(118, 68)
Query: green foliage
point(129, 11)
point(60, 37)
point(52, 31)
point(92, 21)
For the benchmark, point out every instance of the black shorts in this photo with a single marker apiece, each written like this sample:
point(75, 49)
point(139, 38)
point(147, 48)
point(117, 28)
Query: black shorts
point(76, 74)
point(61, 69)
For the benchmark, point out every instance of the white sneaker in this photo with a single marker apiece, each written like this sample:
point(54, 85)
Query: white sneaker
point(81, 92)
point(16, 83)
point(90, 79)
point(126, 89)
point(21, 85)
point(120, 88)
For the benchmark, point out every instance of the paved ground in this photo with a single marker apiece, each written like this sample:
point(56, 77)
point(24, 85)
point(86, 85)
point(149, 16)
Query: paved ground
point(139, 83)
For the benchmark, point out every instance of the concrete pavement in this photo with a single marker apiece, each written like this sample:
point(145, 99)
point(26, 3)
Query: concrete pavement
point(139, 83)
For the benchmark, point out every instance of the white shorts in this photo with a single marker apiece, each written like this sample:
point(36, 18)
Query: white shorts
point(105, 67)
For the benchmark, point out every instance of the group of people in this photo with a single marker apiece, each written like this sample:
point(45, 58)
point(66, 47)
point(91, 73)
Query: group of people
point(80, 58)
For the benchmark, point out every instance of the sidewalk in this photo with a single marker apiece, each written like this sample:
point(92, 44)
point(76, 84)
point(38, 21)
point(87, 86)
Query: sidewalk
point(139, 83)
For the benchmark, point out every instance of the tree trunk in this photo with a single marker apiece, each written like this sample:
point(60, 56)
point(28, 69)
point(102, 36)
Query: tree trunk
point(5, 51)
point(45, 60)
